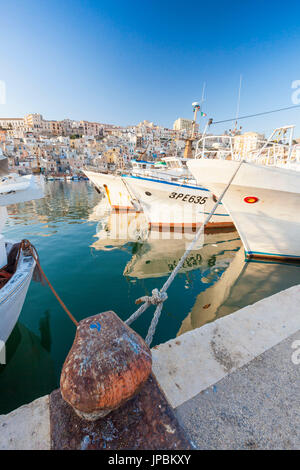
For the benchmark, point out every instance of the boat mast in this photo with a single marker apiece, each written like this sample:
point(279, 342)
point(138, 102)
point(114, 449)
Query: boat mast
point(189, 141)
point(234, 131)
point(196, 107)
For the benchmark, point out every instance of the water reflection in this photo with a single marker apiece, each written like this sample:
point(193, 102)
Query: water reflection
point(29, 371)
point(71, 203)
point(45, 332)
point(242, 283)
point(158, 258)
point(227, 281)
point(156, 254)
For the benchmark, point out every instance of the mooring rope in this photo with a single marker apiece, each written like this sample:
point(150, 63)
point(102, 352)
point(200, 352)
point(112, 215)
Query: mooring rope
point(26, 245)
point(134, 199)
point(159, 296)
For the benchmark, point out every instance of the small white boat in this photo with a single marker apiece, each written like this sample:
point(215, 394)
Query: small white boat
point(16, 266)
point(263, 199)
point(13, 293)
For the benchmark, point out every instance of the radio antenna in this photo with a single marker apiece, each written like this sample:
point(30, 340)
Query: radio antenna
point(238, 104)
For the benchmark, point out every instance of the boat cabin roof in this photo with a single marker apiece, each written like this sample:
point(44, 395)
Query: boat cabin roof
point(141, 163)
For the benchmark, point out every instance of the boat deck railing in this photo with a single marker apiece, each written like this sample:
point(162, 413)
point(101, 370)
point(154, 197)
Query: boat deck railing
point(163, 175)
point(265, 152)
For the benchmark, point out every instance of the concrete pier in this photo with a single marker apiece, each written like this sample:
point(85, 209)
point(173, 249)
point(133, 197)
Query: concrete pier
point(27, 427)
point(255, 407)
point(233, 383)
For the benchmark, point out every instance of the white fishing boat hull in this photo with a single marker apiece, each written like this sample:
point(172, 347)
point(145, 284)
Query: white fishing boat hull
point(169, 204)
point(114, 188)
point(263, 203)
point(13, 294)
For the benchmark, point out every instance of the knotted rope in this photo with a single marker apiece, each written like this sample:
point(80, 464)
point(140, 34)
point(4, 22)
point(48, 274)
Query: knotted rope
point(156, 298)
point(159, 296)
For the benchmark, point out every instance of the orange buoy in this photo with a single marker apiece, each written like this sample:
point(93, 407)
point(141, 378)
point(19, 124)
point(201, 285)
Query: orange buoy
point(106, 366)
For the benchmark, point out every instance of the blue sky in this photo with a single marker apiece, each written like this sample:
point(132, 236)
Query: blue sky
point(124, 61)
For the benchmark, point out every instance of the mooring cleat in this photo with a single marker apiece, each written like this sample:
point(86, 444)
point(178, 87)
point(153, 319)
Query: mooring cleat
point(106, 366)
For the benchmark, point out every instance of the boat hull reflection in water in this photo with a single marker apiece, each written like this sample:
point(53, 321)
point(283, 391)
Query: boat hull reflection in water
point(243, 283)
point(156, 253)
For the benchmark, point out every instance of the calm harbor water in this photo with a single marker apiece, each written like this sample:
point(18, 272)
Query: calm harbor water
point(95, 268)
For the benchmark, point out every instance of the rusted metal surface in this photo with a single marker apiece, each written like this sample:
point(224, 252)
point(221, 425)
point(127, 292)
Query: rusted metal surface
point(145, 422)
point(106, 366)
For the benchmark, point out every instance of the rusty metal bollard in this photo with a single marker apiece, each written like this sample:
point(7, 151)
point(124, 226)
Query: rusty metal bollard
point(106, 366)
